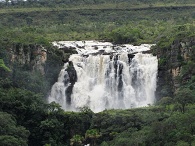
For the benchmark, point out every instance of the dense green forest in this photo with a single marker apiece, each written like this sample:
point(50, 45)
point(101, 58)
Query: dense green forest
point(25, 116)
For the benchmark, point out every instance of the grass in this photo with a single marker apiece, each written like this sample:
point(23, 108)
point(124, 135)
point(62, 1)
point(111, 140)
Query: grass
point(107, 6)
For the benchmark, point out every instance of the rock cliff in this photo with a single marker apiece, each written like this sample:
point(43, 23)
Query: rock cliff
point(33, 66)
point(176, 65)
point(33, 56)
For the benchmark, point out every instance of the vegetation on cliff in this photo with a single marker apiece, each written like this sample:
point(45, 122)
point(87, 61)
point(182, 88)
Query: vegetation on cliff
point(26, 118)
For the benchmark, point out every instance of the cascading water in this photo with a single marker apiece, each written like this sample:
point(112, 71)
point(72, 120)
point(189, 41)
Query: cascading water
point(108, 77)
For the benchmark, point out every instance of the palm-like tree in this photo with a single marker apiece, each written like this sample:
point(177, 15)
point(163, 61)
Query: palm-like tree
point(76, 140)
point(93, 135)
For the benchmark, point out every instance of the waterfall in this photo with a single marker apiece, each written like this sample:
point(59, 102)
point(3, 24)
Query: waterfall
point(108, 77)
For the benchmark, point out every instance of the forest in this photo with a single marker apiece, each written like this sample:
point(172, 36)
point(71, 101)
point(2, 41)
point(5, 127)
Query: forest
point(27, 119)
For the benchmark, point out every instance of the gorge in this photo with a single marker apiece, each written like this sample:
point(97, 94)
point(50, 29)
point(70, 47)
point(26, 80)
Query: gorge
point(58, 90)
point(105, 76)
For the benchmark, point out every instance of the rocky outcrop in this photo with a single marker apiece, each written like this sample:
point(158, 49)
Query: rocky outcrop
point(33, 56)
point(72, 79)
point(71, 50)
point(172, 61)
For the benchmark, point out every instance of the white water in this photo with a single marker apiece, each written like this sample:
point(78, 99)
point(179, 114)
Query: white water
point(108, 81)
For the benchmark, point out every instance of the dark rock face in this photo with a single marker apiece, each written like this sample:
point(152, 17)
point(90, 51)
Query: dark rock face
point(72, 79)
point(130, 57)
point(71, 50)
point(34, 67)
point(171, 62)
point(33, 56)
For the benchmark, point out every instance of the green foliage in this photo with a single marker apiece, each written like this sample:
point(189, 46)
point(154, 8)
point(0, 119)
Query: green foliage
point(28, 25)
point(51, 131)
point(21, 103)
point(92, 3)
point(12, 134)
point(182, 143)
point(51, 125)
point(165, 42)
point(124, 35)
point(162, 61)
point(3, 66)
point(33, 81)
point(166, 101)
point(184, 97)
point(188, 68)
point(33, 122)
point(92, 134)
point(76, 140)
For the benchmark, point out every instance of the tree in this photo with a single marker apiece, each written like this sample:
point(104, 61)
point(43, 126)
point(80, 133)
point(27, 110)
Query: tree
point(76, 140)
point(10, 133)
point(93, 135)
point(184, 96)
point(166, 103)
point(182, 143)
point(29, 21)
point(52, 130)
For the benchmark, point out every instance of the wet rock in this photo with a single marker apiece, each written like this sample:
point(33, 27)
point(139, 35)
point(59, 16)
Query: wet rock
point(72, 79)
point(130, 57)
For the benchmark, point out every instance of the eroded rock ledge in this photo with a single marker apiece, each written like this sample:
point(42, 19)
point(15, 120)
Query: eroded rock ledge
point(173, 60)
